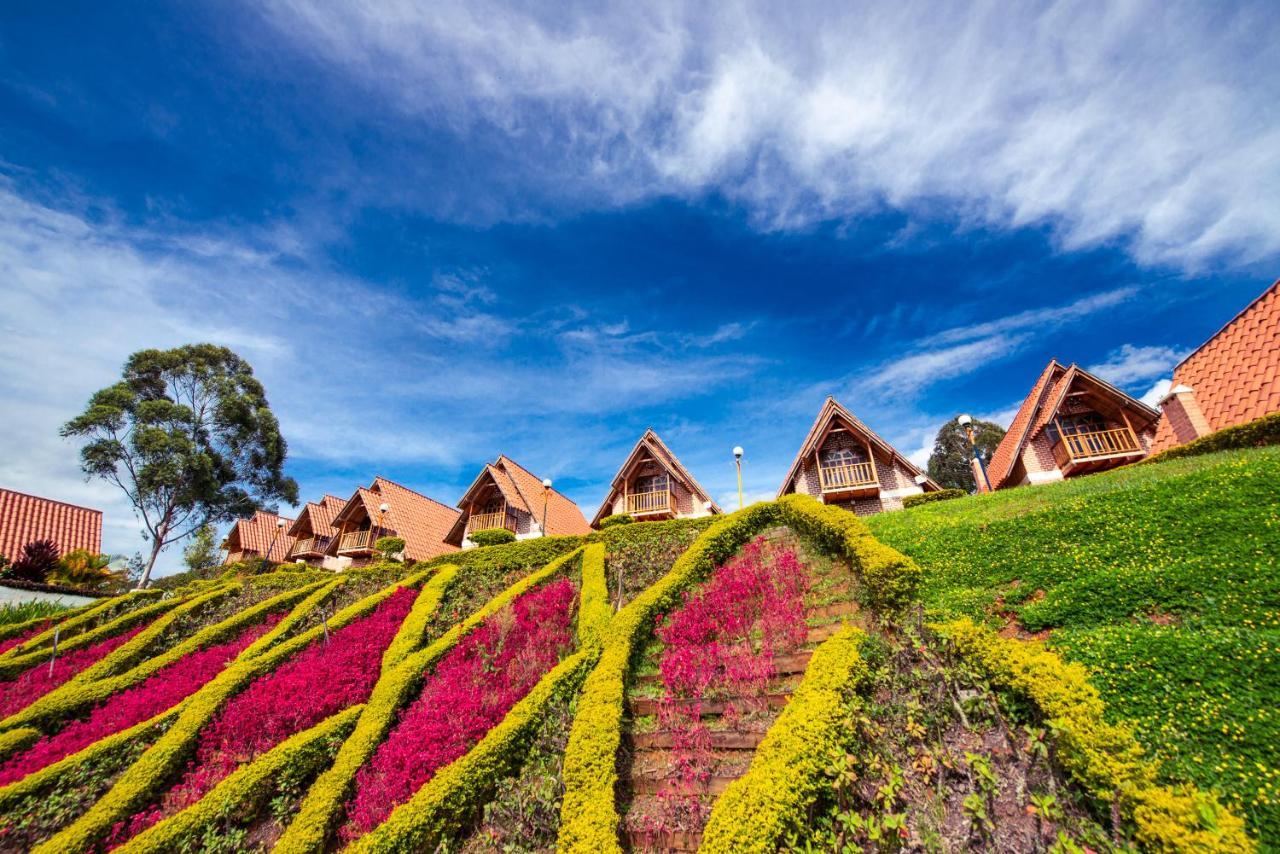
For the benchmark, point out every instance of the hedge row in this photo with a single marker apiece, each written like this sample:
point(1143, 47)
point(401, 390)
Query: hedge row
point(787, 774)
point(930, 497)
point(242, 794)
point(75, 697)
point(321, 809)
point(1255, 434)
point(1103, 758)
point(147, 778)
point(73, 619)
point(441, 809)
point(409, 636)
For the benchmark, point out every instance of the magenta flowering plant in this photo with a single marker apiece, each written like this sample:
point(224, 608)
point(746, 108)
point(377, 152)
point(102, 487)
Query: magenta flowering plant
point(40, 679)
point(323, 679)
point(9, 644)
point(470, 691)
point(163, 690)
point(721, 644)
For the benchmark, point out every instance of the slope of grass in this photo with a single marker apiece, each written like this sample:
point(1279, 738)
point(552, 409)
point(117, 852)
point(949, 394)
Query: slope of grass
point(1164, 579)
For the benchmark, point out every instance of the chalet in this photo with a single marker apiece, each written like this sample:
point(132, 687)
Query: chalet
point(507, 495)
point(1072, 423)
point(261, 535)
point(1231, 379)
point(313, 530)
point(652, 485)
point(843, 462)
point(27, 518)
point(387, 509)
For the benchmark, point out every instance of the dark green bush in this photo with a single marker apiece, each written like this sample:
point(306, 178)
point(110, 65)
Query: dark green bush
point(640, 554)
point(388, 547)
point(492, 537)
point(1255, 434)
point(615, 519)
point(929, 497)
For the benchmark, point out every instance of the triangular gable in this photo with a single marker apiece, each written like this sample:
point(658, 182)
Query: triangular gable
point(319, 514)
point(657, 449)
point(832, 411)
point(564, 517)
point(1077, 377)
point(1006, 454)
point(259, 533)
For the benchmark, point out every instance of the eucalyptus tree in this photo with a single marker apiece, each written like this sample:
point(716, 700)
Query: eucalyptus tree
point(949, 462)
point(188, 435)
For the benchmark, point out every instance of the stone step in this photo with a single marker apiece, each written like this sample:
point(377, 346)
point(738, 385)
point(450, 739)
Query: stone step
point(720, 740)
point(710, 708)
point(835, 609)
point(640, 841)
point(652, 784)
point(783, 665)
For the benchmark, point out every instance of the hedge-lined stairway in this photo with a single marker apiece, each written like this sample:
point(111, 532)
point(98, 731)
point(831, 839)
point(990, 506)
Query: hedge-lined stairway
point(757, 682)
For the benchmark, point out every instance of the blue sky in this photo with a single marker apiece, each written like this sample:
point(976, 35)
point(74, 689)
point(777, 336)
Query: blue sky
point(443, 231)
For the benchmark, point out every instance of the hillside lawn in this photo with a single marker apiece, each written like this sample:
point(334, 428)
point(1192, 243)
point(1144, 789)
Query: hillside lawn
point(1163, 579)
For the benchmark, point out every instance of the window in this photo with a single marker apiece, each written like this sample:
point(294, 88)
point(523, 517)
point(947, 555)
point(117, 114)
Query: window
point(1073, 425)
point(833, 457)
point(651, 483)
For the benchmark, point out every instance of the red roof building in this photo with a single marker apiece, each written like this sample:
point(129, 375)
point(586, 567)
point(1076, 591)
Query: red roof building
point(1231, 379)
point(26, 518)
point(420, 521)
point(261, 535)
point(507, 495)
point(313, 529)
point(652, 485)
point(1071, 423)
point(844, 462)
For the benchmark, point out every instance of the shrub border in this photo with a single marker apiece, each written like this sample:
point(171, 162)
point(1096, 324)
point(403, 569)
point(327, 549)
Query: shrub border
point(73, 619)
point(1104, 758)
point(787, 774)
point(413, 629)
point(1252, 434)
point(930, 497)
point(321, 807)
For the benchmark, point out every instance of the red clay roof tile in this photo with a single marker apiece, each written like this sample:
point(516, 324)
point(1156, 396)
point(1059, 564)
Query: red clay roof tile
point(25, 518)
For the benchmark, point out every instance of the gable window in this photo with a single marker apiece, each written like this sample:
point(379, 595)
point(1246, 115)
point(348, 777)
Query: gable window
point(651, 483)
point(834, 457)
point(1074, 425)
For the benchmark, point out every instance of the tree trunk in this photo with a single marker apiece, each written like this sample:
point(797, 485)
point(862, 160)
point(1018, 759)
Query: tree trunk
point(156, 545)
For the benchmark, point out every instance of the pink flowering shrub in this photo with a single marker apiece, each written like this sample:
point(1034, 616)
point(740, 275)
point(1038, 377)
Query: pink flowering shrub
point(721, 644)
point(320, 681)
point(9, 644)
point(162, 690)
point(472, 689)
point(37, 680)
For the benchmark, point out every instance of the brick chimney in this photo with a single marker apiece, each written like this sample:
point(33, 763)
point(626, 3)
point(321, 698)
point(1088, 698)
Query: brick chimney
point(1184, 415)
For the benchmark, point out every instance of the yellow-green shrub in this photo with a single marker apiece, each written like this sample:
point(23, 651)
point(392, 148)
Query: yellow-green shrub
point(17, 739)
point(787, 773)
point(321, 808)
point(595, 612)
point(66, 624)
point(1104, 758)
point(409, 636)
point(246, 789)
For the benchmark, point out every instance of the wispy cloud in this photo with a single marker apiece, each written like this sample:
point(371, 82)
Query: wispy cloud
point(1148, 123)
point(1132, 364)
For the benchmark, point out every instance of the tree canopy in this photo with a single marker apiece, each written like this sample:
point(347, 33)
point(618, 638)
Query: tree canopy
point(949, 462)
point(189, 437)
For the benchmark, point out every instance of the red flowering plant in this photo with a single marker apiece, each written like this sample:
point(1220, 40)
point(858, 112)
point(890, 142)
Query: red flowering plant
point(320, 681)
point(721, 644)
point(40, 679)
point(471, 690)
point(9, 644)
point(163, 690)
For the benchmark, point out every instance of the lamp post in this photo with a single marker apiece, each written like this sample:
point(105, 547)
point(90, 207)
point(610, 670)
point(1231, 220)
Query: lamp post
point(266, 558)
point(546, 493)
point(737, 461)
point(382, 511)
point(967, 423)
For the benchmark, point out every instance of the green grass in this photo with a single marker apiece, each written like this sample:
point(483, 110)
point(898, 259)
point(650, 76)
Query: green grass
point(1164, 579)
point(20, 613)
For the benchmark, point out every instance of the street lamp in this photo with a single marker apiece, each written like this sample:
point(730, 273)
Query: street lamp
point(546, 493)
point(967, 423)
point(737, 460)
point(382, 511)
point(266, 558)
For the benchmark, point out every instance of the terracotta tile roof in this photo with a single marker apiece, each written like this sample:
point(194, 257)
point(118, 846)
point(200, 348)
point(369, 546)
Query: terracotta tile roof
point(317, 516)
point(1236, 373)
point(257, 533)
point(1041, 406)
point(522, 489)
point(832, 409)
point(25, 518)
point(421, 521)
point(651, 442)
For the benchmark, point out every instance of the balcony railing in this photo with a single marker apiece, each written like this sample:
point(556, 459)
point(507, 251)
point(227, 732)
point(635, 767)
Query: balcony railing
point(310, 545)
point(357, 541)
point(848, 476)
point(484, 521)
point(642, 503)
point(1083, 447)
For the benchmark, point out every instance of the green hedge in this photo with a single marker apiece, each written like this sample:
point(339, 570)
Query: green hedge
point(492, 537)
point(241, 795)
point(73, 619)
point(930, 497)
point(615, 519)
point(788, 772)
point(1255, 434)
point(322, 807)
point(410, 634)
point(147, 778)
point(1103, 758)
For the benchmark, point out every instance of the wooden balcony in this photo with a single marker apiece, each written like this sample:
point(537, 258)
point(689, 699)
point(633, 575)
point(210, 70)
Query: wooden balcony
point(852, 480)
point(1079, 453)
point(357, 541)
point(649, 504)
point(503, 518)
point(310, 547)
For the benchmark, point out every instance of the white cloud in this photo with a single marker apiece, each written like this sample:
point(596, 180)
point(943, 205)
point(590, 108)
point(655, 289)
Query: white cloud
point(1148, 122)
point(1132, 364)
point(1157, 392)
